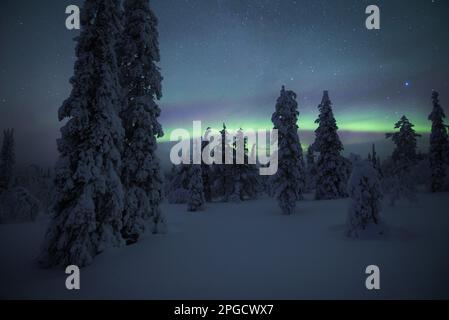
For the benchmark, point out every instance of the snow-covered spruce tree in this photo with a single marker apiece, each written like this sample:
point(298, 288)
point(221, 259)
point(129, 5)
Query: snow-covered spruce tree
point(17, 205)
point(196, 192)
point(206, 169)
point(286, 183)
point(421, 172)
point(311, 170)
point(237, 170)
point(406, 143)
point(439, 145)
point(302, 170)
point(332, 171)
point(366, 194)
point(40, 183)
point(179, 184)
point(400, 180)
point(223, 180)
point(246, 182)
point(89, 195)
point(141, 82)
point(168, 178)
point(7, 160)
point(375, 160)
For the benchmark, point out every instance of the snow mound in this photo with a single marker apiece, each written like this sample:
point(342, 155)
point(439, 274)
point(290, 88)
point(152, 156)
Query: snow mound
point(364, 219)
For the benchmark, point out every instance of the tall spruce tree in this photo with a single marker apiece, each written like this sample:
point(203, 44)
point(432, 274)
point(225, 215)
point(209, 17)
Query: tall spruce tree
point(141, 81)
point(373, 155)
point(196, 192)
point(374, 159)
point(286, 183)
point(311, 169)
point(246, 182)
point(404, 157)
point(89, 195)
point(7, 160)
point(223, 184)
point(178, 184)
point(331, 168)
point(439, 145)
point(206, 169)
point(302, 170)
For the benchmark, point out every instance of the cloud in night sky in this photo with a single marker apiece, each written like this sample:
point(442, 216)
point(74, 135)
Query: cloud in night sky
point(227, 60)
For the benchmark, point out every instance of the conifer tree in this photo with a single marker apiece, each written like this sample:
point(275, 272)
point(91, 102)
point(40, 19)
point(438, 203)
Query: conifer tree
point(206, 169)
point(7, 160)
point(366, 195)
point(246, 182)
point(373, 156)
point(179, 184)
point(196, 193)
point(287, 182)
point(89, 195)
point(374, 159)
point(331, 167)
point(302, 170)
point(141, 81)
point(223, 184)
point(406, 143)
point(439, 145)
point(400, 182)
point(311, 169)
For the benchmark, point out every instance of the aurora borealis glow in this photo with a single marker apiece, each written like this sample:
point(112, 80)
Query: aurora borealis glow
point(226, 60)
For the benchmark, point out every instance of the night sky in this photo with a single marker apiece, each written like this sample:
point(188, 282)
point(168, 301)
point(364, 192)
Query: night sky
point(226, 60)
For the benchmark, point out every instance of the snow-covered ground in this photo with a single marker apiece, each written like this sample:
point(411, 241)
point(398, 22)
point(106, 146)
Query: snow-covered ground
point(250, 251)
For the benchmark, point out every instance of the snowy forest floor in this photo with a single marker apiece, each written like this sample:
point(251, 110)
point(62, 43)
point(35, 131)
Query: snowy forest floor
point(250, 251)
